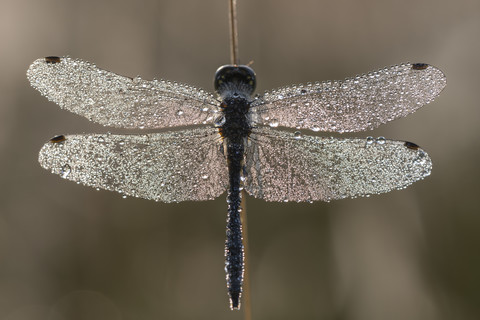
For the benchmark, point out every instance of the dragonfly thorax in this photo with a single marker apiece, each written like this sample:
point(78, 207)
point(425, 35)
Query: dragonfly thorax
point(231, 79)
point(235, 110)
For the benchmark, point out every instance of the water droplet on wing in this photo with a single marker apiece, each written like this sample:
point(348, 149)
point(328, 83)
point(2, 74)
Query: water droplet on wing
point(220, 121)
point(65, 171)
point(273, 123)
point(381, 140)
point(370, 140)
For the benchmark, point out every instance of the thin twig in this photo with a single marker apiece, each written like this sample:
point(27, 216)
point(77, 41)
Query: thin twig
point(233, 33)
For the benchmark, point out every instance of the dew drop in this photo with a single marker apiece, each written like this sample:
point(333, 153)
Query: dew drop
point(124, 196)
point(370, 140)
point(273, 123)
point(421, 158)
point(205, 177)
point(297, 135)
point(65, 171)
point(101, 140)
point(179, 112)
point(219, 121)
point(381, 140)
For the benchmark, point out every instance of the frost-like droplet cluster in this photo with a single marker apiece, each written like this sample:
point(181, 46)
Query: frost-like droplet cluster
point(324, 168)
point(355, 104)
point(117, 101)
point(167, 167)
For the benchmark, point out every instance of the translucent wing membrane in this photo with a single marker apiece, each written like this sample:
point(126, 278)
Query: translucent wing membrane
point(283, 166)
point(355, 104)
point(117, 101)
point(168, 167)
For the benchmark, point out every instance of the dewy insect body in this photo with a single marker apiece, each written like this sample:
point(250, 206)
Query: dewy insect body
point(239, 145)
point(235, 85)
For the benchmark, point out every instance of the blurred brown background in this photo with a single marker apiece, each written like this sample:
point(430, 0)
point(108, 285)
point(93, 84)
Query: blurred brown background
point(69, 252)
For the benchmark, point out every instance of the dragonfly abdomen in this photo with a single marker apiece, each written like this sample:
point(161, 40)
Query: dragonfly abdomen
point(235, 131)
point(234, 251)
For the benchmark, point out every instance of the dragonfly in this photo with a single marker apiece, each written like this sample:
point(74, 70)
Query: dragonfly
point(233, 140)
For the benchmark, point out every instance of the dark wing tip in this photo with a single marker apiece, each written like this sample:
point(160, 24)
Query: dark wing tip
point(52, 59)
point(419, 66)
point(57, 139)
point(411, 145)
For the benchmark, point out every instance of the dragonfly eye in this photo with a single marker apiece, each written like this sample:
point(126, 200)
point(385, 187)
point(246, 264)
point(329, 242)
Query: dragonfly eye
point(242, 77)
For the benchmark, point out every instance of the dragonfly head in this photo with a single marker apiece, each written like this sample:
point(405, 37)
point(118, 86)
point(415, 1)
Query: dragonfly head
point(232, 77)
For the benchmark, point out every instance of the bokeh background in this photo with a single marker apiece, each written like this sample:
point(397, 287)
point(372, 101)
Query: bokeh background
point(68, 252)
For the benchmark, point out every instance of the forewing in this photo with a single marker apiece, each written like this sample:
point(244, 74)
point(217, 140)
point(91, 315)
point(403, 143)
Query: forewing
point(167, 167)
point(283, 166)
point(356, 104)
point(117, 101)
